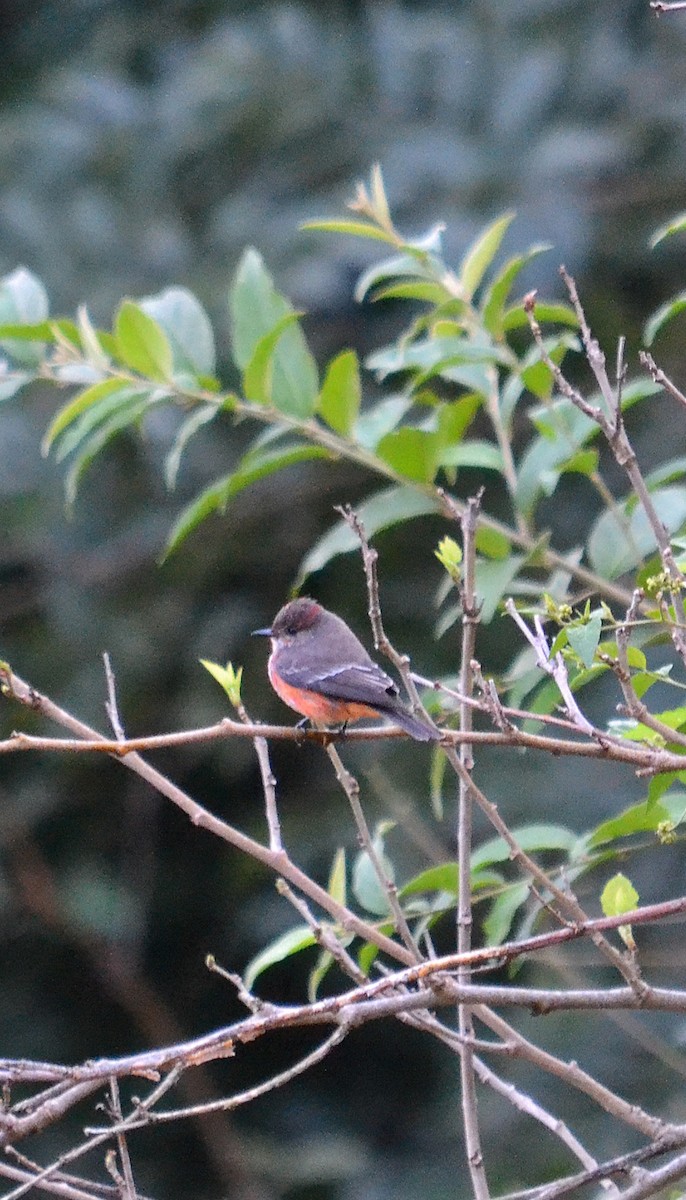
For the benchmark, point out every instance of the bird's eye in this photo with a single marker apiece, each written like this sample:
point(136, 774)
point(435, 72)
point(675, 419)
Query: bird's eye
point(291, 630)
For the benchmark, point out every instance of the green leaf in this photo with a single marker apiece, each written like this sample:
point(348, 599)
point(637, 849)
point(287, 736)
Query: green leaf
point(455, 417)
point(12, 382)
point(437, 774)
point(257, 310)
point(498, 923)
point(619, 542)
point(354, 228)
point(494, 577)
point(676, 225)
point(23, 301)
point(496, 296)
point(376, 422)
point(184, 320)
point(387, 508)
point(410, 452)
point(255, 306)
point(281, 948)
point(80, 403)
point(120, 403)
point(367, 888)
point(564, 431)
point(398, 266)
point(531, 838)
point(492, 543)
point(584, 639)
point(557, 314)
point(229, 679)
point(254, 465)
point(442, 878)
point(667, 312)
point(341, 394)
point(422, 290)
point(142, 344)
point(481, 253)
point(41, 331)
point(258, 376)
point(438, 356)
point(90, 446)
point(472, 454)
point(318, 974)
point(337, 884)
point(197, 420)
point(618, 896)
point(638, 818)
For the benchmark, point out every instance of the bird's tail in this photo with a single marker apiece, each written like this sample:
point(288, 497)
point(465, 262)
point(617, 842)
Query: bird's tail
point(412, 725)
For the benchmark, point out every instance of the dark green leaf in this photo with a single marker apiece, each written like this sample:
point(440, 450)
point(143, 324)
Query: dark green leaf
point(422, 290)
point(557, 314)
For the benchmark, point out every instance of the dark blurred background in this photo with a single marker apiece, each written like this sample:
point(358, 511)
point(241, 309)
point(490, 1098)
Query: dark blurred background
point(146, 144)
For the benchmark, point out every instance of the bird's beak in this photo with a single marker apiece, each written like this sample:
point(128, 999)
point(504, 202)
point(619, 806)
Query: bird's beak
point(261, 633)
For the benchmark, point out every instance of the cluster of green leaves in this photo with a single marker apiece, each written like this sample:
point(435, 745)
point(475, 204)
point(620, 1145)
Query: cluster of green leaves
point(431, 895)
point(459, 375)
point(458, 382)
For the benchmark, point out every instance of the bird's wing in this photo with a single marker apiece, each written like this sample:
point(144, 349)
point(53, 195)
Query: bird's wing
point(359, 683)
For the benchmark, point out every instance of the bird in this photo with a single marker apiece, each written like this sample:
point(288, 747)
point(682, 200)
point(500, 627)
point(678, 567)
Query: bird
point(319, 668)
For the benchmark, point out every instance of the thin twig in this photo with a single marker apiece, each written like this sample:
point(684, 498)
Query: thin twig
point(352, 790)
point(470, 618)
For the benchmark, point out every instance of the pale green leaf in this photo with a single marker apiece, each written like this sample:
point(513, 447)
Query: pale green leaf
point(142, 344)
point(498, 923)
point(481, 253)
point(341, 394)
point(353, 228)
point(618, 896)
point(281, 948)
point(184, 320)
point(666, 313)
point(78, 405)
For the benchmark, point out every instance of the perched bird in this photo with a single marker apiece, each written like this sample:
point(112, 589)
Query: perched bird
point(319, 668)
